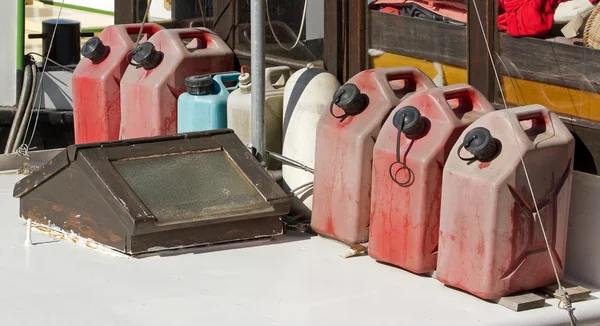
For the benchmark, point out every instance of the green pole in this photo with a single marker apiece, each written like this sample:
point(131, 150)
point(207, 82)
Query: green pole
point(20, 44)
point(20, 34)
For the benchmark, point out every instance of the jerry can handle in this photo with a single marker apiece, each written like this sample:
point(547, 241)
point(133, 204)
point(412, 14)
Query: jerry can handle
point(280, 71)
point(202, 35)
point(532, 112)
point(411, 74)
point(149, 28)
point(466, 91)
point(223, 78)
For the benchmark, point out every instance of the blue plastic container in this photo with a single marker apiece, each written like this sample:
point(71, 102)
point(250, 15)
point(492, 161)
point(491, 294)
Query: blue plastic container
point(204, 106)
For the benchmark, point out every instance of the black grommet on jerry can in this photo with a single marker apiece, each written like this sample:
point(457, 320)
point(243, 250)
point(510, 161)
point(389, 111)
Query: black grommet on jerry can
point(409, 121)
point(145, 55)
point(95, 50)
point(199, 85)
point(349, 98)
point(67, 40)
point(480, 143)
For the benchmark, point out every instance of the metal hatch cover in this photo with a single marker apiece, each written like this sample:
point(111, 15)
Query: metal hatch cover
point(156, 193)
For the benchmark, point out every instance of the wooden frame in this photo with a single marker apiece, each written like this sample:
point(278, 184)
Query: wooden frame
point(553, 63)
point(357, 14)
point(129, 11)
point(333, 50)
point(479, 68)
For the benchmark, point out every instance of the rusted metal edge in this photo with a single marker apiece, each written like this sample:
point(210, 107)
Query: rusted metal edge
point(57, 163)
point(74, 149)
point(10, 162)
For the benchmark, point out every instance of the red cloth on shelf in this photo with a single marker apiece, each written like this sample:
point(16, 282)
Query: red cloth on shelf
point(390, 10)
point(527, 17)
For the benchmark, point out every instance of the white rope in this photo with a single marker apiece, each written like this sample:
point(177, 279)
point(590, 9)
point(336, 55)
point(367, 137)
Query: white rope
point(202, 13)
point(565, 302)
point(139, 37)
point(299, 32)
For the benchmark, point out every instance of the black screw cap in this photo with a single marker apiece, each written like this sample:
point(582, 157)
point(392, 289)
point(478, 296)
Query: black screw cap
point(147, 56)
point(410, 120)
point(95, 50)
point(479, 142)
point(199, 85)
point(349, 99)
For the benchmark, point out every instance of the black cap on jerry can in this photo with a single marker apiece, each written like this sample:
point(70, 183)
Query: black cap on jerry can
point(95, 50)
point(479, 142)
point(349, 99)
point(409, 120)
point(199, 85)
point(146, 56)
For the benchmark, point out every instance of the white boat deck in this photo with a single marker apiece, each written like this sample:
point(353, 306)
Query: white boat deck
point(294, 280)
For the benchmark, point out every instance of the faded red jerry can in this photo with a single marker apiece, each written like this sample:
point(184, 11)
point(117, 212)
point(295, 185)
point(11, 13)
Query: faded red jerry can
point(156, 77)
point(346, 135)
point(97, 79)
point(491, 243)
point(408, 160)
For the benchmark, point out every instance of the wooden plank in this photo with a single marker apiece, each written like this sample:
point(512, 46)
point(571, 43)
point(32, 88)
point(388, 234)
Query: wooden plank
point(576, 293)
point(333, 50)
point(554, 63)
point(224, 18)
point(125, 11)
point(481, 27)
point(357, 50)
point(418, 38)
point(521, 302)
point(185, 9)
point(532, 59)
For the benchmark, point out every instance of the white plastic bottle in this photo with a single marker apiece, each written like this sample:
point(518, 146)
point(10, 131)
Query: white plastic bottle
point(239, 106)
point(306, 95)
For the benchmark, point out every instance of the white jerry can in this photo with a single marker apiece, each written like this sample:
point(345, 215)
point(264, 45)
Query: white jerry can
point(239, 106)
point(306, 95)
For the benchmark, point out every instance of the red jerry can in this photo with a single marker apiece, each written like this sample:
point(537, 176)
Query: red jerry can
point(491, 242)
point(97, 79)
point(408, 160)
point(346, 135)
point(156, 77)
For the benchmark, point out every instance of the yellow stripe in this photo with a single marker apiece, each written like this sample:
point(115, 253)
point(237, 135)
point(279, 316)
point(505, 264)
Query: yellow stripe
point(560, 99)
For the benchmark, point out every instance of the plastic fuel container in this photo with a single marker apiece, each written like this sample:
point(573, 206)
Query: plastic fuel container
point(408, 160)
point(204, 105)
point(156, 76)
point(491, 243)
point(346, 136)
point(306, 94)
point(239, 111)
point(96, 82)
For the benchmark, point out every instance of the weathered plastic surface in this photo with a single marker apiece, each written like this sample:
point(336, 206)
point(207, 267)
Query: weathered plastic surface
point(149, 97)
point(206, 112)
point(491, 243)
point(405, 219)
point(306, 96)
point(96, 87)
point(344, 153)
point(239, 112)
